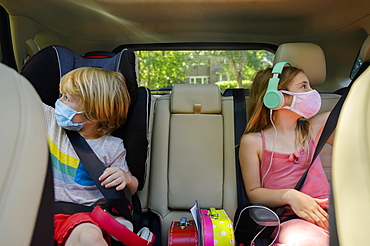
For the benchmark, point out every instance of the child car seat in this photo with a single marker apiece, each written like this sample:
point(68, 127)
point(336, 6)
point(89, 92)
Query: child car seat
point(44, 71)
point(46, 67)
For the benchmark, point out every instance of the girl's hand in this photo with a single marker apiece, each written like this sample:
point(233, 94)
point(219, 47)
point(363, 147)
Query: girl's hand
point(115, 177)
point(309, 208)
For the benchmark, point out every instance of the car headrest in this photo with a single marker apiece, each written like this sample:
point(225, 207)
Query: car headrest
point(46, 67)
point(196, 99)
point(307, 56)
point(365, 50)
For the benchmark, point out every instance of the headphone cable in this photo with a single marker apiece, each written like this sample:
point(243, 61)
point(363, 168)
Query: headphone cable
point(273, 149)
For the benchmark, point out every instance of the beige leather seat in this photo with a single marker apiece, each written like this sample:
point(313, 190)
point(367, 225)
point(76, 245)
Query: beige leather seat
point(24, 157)
point(351, 162)
point(310, 57)
point(365, 50)
point(192, 153)
point(192, 156)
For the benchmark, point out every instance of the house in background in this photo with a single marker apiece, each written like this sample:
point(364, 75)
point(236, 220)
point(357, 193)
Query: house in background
point(206, 74)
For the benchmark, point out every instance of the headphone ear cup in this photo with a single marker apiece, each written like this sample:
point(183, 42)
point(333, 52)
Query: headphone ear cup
point(273, 99)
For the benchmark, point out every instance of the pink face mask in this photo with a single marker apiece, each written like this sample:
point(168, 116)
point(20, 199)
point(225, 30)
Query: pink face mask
point(306, 104)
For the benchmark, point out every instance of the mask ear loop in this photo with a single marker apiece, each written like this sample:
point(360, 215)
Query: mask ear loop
point(273, 149)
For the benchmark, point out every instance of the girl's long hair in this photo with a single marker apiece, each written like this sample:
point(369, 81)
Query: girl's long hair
point(259, 114)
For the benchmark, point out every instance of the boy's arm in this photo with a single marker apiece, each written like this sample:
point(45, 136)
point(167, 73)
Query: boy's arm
point(116, 177)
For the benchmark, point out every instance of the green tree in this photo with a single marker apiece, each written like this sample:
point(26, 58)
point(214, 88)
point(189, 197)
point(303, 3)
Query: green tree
point(158, 69)
point(243, 64)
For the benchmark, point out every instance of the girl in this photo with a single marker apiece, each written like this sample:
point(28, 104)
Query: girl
point(94, 102)
point(277, 148)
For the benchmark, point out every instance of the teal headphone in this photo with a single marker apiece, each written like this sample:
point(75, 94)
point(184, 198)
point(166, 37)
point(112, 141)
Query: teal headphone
point(273, 98)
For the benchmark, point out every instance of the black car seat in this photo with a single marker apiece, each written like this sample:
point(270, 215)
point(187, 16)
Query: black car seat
point(24, 164)
point(45, 69)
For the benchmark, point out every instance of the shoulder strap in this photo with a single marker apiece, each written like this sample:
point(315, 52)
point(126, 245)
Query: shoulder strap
point(329, 127)
point(331, 123)
point(94, 167)
point(239, 126)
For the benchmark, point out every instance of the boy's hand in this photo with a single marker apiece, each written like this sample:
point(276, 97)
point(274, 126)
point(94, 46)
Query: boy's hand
point(115, 177)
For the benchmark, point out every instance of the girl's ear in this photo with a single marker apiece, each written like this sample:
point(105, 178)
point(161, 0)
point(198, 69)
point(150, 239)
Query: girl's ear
point(288, 99)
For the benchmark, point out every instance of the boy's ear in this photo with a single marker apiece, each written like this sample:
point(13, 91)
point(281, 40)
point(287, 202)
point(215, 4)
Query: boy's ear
point(92, 122)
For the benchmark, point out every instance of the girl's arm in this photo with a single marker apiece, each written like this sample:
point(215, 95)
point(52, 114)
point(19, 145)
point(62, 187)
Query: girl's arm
point(249, 156)
point(303, 205)
point(317, 123)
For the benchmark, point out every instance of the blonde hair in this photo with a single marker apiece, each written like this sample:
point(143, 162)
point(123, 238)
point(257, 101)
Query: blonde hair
point(259, 114)
point(102, 94)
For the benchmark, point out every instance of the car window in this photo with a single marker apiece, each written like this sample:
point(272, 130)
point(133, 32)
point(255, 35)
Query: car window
point(159, 70)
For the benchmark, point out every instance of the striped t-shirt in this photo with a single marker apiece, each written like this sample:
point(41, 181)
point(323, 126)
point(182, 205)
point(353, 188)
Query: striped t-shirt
point(72, 183)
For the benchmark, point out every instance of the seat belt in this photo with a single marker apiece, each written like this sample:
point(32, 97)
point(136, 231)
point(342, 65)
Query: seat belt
point(94, 167)
point(239, 127)
point(331, 123)
point(326, 133)
point(329, 127)
point(120, 200)
point(240, 123)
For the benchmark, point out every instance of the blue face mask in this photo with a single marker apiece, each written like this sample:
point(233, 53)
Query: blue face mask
point(64, 115)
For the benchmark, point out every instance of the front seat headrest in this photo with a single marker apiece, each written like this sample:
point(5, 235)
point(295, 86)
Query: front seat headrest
point(307, 56)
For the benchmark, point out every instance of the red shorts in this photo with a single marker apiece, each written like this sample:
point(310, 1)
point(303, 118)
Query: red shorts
point(65, 223)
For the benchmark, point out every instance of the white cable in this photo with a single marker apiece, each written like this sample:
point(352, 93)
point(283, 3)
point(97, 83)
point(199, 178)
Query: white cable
point(252, 242)
point(273, 149)
point(263, 207)
point(277, 217)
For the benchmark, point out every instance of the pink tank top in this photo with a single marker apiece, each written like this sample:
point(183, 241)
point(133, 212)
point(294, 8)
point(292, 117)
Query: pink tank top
point(287, 169)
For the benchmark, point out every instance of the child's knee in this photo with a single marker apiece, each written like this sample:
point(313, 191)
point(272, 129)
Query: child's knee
point(306, 239)
point(86, 234)
point(302, 233)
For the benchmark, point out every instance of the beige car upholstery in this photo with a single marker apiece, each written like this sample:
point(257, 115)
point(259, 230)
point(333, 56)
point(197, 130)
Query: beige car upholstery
point(24, 157)
point(144, 193)
point(351, 165)
point(351, 169)
point(365, 50)
point(310, 57)
point(192, 153)
point(192, 147)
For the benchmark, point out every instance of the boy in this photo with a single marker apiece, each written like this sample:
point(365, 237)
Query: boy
point(94, 102)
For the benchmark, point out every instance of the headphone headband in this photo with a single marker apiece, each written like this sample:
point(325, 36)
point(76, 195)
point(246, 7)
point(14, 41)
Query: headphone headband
point(279, 67)
point(273, 98)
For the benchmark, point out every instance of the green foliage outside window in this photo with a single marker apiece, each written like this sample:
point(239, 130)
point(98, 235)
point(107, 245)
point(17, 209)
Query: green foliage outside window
point(160, 69)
